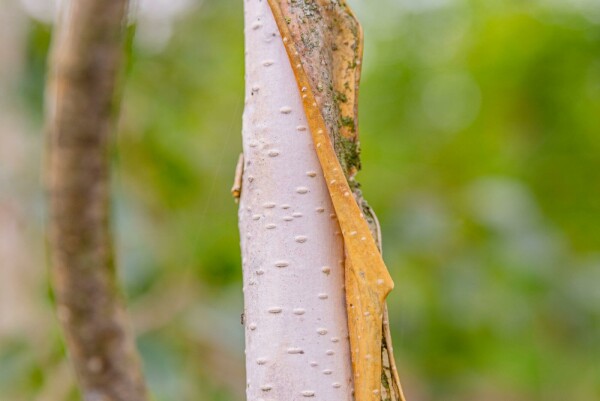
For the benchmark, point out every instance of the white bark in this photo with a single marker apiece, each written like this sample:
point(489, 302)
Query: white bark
point(295, 315)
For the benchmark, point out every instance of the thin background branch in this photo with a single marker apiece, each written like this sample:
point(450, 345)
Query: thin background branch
point(85, 60)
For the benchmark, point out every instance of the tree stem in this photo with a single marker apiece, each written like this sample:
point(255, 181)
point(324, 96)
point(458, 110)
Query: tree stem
point(293, 261)
point(85, 61)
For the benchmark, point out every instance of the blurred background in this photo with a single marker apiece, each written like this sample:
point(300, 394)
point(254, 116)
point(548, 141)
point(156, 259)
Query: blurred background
point(480, 128)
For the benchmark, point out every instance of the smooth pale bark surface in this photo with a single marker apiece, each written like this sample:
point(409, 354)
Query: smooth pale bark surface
point(295, 314)
point(84, 64)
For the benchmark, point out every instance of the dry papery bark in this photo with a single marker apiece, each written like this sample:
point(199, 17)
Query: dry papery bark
point(314, 280)
point(85, 59)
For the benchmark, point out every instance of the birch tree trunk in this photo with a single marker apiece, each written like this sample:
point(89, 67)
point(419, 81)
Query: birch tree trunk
point(295, 316)
point(314, 280)
point(84, 64)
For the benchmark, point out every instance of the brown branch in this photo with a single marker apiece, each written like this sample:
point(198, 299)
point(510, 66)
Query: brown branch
point(84, 65)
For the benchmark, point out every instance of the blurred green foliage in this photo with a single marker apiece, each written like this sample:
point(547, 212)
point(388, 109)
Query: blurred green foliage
point(480, 128)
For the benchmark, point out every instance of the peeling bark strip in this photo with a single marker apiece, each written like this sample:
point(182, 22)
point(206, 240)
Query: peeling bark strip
point(84, 63)
point(323, 41)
